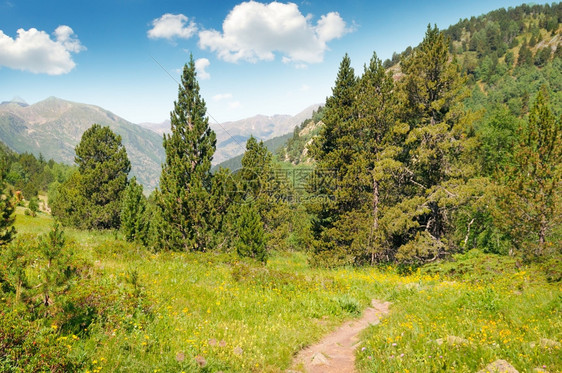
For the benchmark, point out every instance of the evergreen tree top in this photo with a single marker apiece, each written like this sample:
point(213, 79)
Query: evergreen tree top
point(192, 141)
point(101, 147)
point(343, 90)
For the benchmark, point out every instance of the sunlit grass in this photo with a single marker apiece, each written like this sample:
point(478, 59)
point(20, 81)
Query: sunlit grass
point(173, 312)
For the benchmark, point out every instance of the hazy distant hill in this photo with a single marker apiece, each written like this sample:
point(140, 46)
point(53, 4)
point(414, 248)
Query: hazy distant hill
point(272, 145)
point(53, 127)
point(232, 136)
point(160, 128)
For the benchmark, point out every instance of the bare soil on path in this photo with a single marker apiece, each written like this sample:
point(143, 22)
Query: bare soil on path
point(336, 351)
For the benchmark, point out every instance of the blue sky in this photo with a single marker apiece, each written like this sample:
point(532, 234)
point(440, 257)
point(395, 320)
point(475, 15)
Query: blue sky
point(254, 57)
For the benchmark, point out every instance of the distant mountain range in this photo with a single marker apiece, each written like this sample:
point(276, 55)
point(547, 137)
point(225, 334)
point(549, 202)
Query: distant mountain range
point(53, 127)
point(232, 136)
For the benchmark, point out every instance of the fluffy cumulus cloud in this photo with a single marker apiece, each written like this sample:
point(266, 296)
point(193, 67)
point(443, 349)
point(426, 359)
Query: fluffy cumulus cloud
point(37, 52)
point(254, 31)
point(171, 26)
point(200, 65)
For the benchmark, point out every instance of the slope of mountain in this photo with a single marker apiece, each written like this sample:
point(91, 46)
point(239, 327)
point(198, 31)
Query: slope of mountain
point(489, 51)
point(160, 128)
point(232, 136)
point(54, 126)
point(272, 145)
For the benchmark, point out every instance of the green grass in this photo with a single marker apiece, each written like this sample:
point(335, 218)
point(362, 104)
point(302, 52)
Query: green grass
point(499, 310)
point(166, 311)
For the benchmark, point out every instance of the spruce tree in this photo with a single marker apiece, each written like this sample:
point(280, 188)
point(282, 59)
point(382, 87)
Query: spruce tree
point(251, 235)
point(185, 182)
point(436, 154)
point(133, 210)
point(7, 207)
point(530, 202)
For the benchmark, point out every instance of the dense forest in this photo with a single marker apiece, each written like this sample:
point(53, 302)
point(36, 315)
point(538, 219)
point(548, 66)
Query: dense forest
point(420, 156)
point(449, 146)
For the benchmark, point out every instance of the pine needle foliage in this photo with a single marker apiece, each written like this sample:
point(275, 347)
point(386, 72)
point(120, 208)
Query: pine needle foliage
point(185, 183)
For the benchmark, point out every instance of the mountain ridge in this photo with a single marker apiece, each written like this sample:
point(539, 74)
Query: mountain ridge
point(53, 127)
point(232, 135)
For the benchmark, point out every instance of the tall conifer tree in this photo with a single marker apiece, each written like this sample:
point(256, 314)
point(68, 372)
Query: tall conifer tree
point(267, 190)
point(7, 208)
point(531, 200)
point(333, 149)
point(185, 182)
point(372, 183)
point(436, 151)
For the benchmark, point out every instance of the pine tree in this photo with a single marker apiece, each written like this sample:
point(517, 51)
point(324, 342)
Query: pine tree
point(378, 137)
point(525, 57)
point(364, 180)
point(256, 170)
point(267, 190)
point(530, 204)
point(338, 111)
point(251, 235)
point(225, 199)
point(7, 207)
point(91, 197)
point(56, 271)
point(333, 149)
point(103, 165)
point(185, 182)
point(68, 203)
point(133, 210)
point(436, 153)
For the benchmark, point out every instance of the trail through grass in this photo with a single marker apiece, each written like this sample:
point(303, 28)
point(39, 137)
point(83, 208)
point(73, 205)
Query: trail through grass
point(164, 312)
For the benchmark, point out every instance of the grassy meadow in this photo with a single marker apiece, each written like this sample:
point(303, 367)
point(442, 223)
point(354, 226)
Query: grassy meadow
point(131, 310)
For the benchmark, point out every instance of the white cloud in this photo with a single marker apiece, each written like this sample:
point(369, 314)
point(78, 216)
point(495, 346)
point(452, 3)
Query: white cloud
point(305, 88)
point(171, 26)
point(234, 105)
point(222, 96)
point(331, 26)
point(35, 51)
point(254, 31)
point(200, 65)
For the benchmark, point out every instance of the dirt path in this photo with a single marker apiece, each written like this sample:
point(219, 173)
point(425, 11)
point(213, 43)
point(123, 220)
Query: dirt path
point(336, 352)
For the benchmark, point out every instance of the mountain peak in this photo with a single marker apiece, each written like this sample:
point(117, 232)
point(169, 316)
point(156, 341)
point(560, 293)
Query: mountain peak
point(17, 100)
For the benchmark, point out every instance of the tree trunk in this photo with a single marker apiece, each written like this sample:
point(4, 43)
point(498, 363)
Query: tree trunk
point(542, 235)
point(375, 226)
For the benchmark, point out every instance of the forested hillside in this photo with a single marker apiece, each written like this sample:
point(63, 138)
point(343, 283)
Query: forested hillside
point(485, 88)
point(488, 49)
point(31, 178)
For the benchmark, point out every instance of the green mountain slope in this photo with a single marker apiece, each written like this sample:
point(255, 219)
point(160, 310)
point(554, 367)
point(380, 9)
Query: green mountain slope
point(507, 56)
point(273, 145)
point(53, 127)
